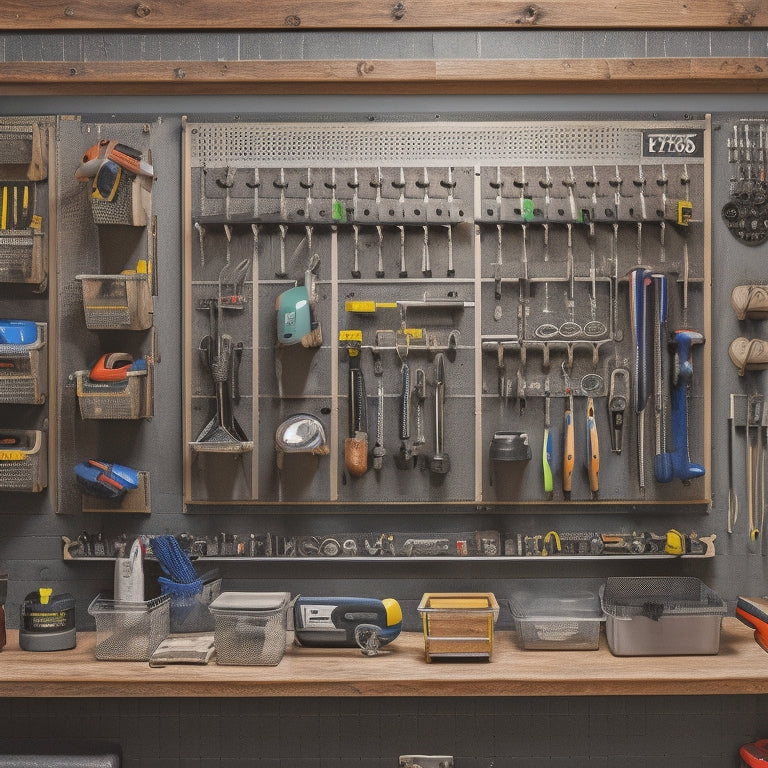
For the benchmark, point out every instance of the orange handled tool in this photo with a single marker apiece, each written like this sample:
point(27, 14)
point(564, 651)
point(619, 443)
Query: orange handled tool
point(593, 448)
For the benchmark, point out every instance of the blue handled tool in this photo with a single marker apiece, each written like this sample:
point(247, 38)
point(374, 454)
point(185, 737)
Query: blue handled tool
point(18, 332)
point(107, 481)
point(679, 458)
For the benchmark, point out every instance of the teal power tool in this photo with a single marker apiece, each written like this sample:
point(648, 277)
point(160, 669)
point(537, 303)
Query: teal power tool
point(678, 459)
point(346, 622)
point(296, 321)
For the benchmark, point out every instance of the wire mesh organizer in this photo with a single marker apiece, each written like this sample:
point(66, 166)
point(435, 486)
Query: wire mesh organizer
point(556, 614)
point(129, 205)
point(661, 616)
point(21, 257)
point(190, 613)
point(130, 398)
point(117, 302)
point(250, 627)
point(24, 464)
point(129, 631)
point(24, 370)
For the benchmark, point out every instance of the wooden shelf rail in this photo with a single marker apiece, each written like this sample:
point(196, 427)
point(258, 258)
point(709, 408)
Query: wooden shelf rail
point(380, 76)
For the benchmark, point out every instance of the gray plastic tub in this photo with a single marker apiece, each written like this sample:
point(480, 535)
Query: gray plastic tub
point(661, 616)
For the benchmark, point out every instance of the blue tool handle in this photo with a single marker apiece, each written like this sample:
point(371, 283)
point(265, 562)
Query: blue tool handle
point(682, 466)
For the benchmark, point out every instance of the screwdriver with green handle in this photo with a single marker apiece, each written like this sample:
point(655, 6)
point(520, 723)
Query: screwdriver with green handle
point(546, 452)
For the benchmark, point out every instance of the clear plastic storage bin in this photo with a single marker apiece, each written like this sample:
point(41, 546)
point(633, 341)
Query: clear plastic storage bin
point(191, 613)
point(130, 631)
point(557, 614)
point(250, 627)
point(661, 616)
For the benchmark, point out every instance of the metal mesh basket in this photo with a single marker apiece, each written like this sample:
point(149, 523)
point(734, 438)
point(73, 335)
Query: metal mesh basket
point(24, 466)
point(113, 400)
point(24, 370)
point(128, 207)
point(190, 613)
point(656, 596)
point(21, 257)
point(250, 637)
point(129, 631)
point(117, 302)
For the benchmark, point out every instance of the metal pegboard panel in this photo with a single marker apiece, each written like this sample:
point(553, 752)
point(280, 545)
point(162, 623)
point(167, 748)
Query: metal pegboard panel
point(293, 145)
point(528, 230)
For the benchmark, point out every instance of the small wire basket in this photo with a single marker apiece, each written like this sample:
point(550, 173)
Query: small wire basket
point(129, 631)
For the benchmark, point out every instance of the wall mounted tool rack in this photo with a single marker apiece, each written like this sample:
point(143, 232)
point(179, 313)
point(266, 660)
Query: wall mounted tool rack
point(462, 291)
point(107, 271)
point(27, 173)
point(391, 545)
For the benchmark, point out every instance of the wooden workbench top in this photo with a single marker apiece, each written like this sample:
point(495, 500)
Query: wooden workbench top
point(741, 667)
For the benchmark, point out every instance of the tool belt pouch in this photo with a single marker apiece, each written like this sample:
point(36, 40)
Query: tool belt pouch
point(750, 302)
point(130, 205)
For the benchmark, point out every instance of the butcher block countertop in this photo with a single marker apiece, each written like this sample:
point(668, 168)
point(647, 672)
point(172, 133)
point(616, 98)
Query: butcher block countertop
point(741, 667)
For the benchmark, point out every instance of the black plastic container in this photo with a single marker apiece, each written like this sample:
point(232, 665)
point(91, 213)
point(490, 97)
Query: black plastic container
point(47, 621)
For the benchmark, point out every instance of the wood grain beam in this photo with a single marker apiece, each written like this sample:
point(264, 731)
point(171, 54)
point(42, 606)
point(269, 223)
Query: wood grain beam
point(385, 76)
point(144, 15)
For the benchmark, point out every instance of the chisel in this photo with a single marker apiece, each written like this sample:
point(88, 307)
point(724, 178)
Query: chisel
point(733, 499)
point(639, 279)
point(356, 445)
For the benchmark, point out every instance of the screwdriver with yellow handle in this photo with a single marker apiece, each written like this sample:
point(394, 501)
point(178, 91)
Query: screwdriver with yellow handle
point(593, 448)
point(569, 449)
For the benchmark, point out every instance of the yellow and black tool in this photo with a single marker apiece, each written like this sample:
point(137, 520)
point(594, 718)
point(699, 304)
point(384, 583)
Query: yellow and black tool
point(356, 445)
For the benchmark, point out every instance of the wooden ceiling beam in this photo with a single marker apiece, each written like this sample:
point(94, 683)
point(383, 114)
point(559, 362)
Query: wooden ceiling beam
point(149, 15)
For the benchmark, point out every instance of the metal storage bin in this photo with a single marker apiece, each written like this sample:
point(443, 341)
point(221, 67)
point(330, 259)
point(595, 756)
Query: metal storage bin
point(24, 370)
point(127, 399)
point(24, 466)
point(250, 627)
point(661, 616)
point(129, 631)
point(557, 614)
point(21, 257)
point(129, 206)
point(117, 302)
point(192, 614)
point(458, 624)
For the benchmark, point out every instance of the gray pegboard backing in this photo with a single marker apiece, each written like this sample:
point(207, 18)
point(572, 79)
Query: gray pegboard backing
point(530, 227)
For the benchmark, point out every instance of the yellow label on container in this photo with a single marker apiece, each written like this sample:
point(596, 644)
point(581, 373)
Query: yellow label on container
point(351, 335)
point(12, 455)
point(37, 222)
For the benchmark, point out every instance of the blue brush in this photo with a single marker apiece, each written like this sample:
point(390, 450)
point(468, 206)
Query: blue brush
point(173, 560)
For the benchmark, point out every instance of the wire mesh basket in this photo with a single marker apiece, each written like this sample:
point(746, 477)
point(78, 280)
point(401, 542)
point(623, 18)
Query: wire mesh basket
point(126, 399)
point(189, 613)
point(129, 631)
point(24, 465)
point(250, 627)
point(661, 616)
point(21, 257)
point(128, 207)
point(117, 302)
point(24, 370)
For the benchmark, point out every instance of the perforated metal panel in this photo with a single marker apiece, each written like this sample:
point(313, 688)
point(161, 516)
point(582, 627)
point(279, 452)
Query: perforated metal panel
point(243, 145)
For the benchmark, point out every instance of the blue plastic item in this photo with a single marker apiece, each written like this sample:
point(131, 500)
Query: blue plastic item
point(18, 331)
point(107, 481)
